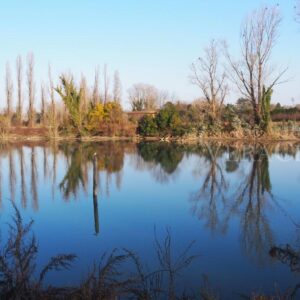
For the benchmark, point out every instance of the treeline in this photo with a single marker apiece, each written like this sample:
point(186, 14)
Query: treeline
point(84, 109)
point(180, 119)
point(67, 107)
point(285, 113)
point(81, 108)
point(252, 74)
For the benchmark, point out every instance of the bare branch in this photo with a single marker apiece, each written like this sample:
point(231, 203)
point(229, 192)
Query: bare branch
point(9, 92)
point(206, 75)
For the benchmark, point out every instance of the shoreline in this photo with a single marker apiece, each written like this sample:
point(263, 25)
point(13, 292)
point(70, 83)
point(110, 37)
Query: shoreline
point(39, 138)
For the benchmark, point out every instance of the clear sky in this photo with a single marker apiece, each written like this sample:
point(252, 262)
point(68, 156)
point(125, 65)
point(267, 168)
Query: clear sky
point(152, 41)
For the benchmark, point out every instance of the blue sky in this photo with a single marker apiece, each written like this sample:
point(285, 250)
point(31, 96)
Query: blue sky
point(147, 41)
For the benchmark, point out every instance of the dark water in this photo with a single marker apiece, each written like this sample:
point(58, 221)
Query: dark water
point(236, 201)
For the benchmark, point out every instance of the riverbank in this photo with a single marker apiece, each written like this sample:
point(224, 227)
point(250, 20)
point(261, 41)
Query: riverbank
point(43, 134)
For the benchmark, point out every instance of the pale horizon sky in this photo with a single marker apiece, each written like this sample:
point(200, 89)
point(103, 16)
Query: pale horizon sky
point(153, 42)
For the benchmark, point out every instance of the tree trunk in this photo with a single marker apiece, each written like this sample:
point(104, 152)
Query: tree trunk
point(256, 114)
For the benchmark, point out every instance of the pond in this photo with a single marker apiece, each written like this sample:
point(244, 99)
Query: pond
point(238, 202)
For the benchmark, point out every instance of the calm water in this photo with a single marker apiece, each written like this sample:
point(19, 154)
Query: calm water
point(236, 201)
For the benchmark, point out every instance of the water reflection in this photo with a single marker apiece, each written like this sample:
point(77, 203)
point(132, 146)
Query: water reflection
point(167, 155)
point(254, 196)
point(213, 187)
point(287, 255)
point(234, 181)
point(34, 192)
point(161, 158)
point(22, 176)
point(12, 175)
point(75, 176)
point(95, 194)
point(291, 257)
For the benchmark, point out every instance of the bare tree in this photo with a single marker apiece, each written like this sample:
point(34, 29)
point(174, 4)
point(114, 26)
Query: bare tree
point(117, 87)
point(253, 74)
point(53, 107)
point(9, 92)
point(143, 97)
point(106, 84)
point(96, 92)
point(31, 88)
point(164, 96)
point(19, 69)
point(84, 94)
point(208, 76)
point(43, 104)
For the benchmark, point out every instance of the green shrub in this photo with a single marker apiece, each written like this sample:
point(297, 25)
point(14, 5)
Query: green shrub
point(147, 126)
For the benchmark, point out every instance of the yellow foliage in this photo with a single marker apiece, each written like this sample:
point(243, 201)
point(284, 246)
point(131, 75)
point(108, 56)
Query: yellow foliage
point(112, 112)
point(96, 117)
point(104, 114)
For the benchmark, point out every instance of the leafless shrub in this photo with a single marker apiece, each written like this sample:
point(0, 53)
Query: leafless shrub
point(118, 274)
point(170, 266)
point(147, 284)
point(18, 262)
point(107, 279)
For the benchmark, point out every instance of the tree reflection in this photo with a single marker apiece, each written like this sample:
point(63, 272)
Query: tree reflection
point(168, 156)
point(84, 162)
point(12, 175)
point(162, 158)
point(34, 179)
point(251, 203)
point(216, 204)
point(291, 257)
point(74, 176)
point(205, 201)
point(101, 157)
point(45, 162)
point(22, 177)
point(233, 183)
point(287, 255)
point(110, 158)
point(1, 184)
point(95, 194)
point(54, 150)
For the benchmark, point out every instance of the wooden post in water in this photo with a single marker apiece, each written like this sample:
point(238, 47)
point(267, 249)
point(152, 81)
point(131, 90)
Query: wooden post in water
point(95, 194)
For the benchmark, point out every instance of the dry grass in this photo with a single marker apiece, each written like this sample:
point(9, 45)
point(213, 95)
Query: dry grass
point(109, 279)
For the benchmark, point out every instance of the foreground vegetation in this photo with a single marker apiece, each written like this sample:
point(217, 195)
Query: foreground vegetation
point(70, 109)
point(118, 274)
